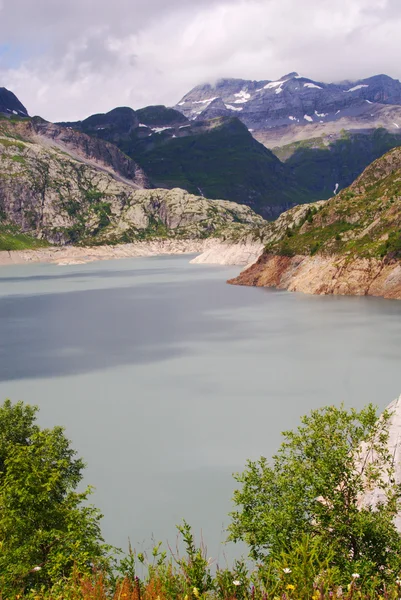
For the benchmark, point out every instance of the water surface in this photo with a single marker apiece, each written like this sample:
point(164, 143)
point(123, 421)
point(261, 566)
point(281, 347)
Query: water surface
point(167, 379)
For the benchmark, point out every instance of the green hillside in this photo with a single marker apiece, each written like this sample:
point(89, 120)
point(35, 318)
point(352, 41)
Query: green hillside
point(363, 220)
point(318, 164)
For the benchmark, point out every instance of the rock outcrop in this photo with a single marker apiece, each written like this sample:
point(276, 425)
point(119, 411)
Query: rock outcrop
point(81, 196)
point(325, 275)
point(223, 253)
point(372, 497)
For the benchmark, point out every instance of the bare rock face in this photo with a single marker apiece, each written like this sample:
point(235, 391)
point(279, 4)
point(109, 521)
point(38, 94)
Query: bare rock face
point(223, 253)
point(96, 152)
point(372, 497)
point(78, 197)
point(325, 275)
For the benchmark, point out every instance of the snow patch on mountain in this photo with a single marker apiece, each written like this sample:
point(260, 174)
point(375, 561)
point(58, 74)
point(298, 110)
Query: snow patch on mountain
point(273, 84)
point(159, 129)
point(356, 87)
point(233, 107)
point(312, 85)
point(242, 96)
point(208, 101)
point(308, 118)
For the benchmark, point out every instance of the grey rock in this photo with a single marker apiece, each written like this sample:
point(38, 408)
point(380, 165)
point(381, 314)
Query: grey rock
point(292, 102)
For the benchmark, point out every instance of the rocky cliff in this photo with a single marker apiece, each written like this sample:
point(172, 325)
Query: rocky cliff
point(77, 196)
point(350, 244)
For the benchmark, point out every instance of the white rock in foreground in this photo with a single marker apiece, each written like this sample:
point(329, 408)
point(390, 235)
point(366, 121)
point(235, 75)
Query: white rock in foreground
point(375, 496)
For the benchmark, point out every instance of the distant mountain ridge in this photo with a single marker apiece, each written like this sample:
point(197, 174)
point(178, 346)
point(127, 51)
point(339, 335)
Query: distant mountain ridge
point(295, 102)
point(10, 105)
point(218, 157)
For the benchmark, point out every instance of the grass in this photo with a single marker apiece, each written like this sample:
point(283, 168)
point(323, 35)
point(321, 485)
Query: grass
point(170, 576)
point(362, 221)
point(12, 239)
point(8, 143)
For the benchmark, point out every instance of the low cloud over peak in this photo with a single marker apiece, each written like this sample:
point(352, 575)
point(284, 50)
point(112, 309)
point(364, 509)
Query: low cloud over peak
point(66, 60)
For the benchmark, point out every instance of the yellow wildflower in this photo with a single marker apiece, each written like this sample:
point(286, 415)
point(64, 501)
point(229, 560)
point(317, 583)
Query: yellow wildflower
point(290, 586)
point(195, 592)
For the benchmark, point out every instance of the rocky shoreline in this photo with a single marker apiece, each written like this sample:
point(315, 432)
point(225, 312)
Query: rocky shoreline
point(323, 275)
point(211, 251)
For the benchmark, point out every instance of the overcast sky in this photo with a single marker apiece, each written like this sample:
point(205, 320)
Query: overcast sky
point(67, 59)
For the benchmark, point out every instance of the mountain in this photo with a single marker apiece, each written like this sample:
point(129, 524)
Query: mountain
point(159, 147)
point(350, 244)
point(325, 165)
point(296, 107)
point(65, 187)
point(10, 105)
point(216, 158)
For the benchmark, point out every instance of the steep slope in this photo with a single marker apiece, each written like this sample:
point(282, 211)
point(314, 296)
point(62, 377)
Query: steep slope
point(296, 107)
point(49, 194)
point(10, 105)
point(350, 244)
point(217, 158)
point(326, 165)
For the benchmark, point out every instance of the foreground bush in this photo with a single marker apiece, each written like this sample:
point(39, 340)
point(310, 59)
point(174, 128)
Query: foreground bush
point(46, 527)
point(310, 533)
point(315, 487)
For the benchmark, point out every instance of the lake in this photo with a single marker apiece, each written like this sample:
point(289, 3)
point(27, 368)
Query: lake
point(167, 379)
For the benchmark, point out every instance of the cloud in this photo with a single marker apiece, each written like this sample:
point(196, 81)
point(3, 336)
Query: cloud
point(66, 60)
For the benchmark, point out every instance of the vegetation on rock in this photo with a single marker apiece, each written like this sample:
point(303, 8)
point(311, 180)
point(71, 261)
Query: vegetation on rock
point(363, 220)
point(49, 194)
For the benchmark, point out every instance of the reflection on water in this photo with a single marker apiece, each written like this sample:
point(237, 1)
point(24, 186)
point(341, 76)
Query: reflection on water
point(167, 379)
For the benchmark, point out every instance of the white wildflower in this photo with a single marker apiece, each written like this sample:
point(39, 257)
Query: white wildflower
point(236, 582)
point(355, 575)
point(286, 570)
point(37, 569)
